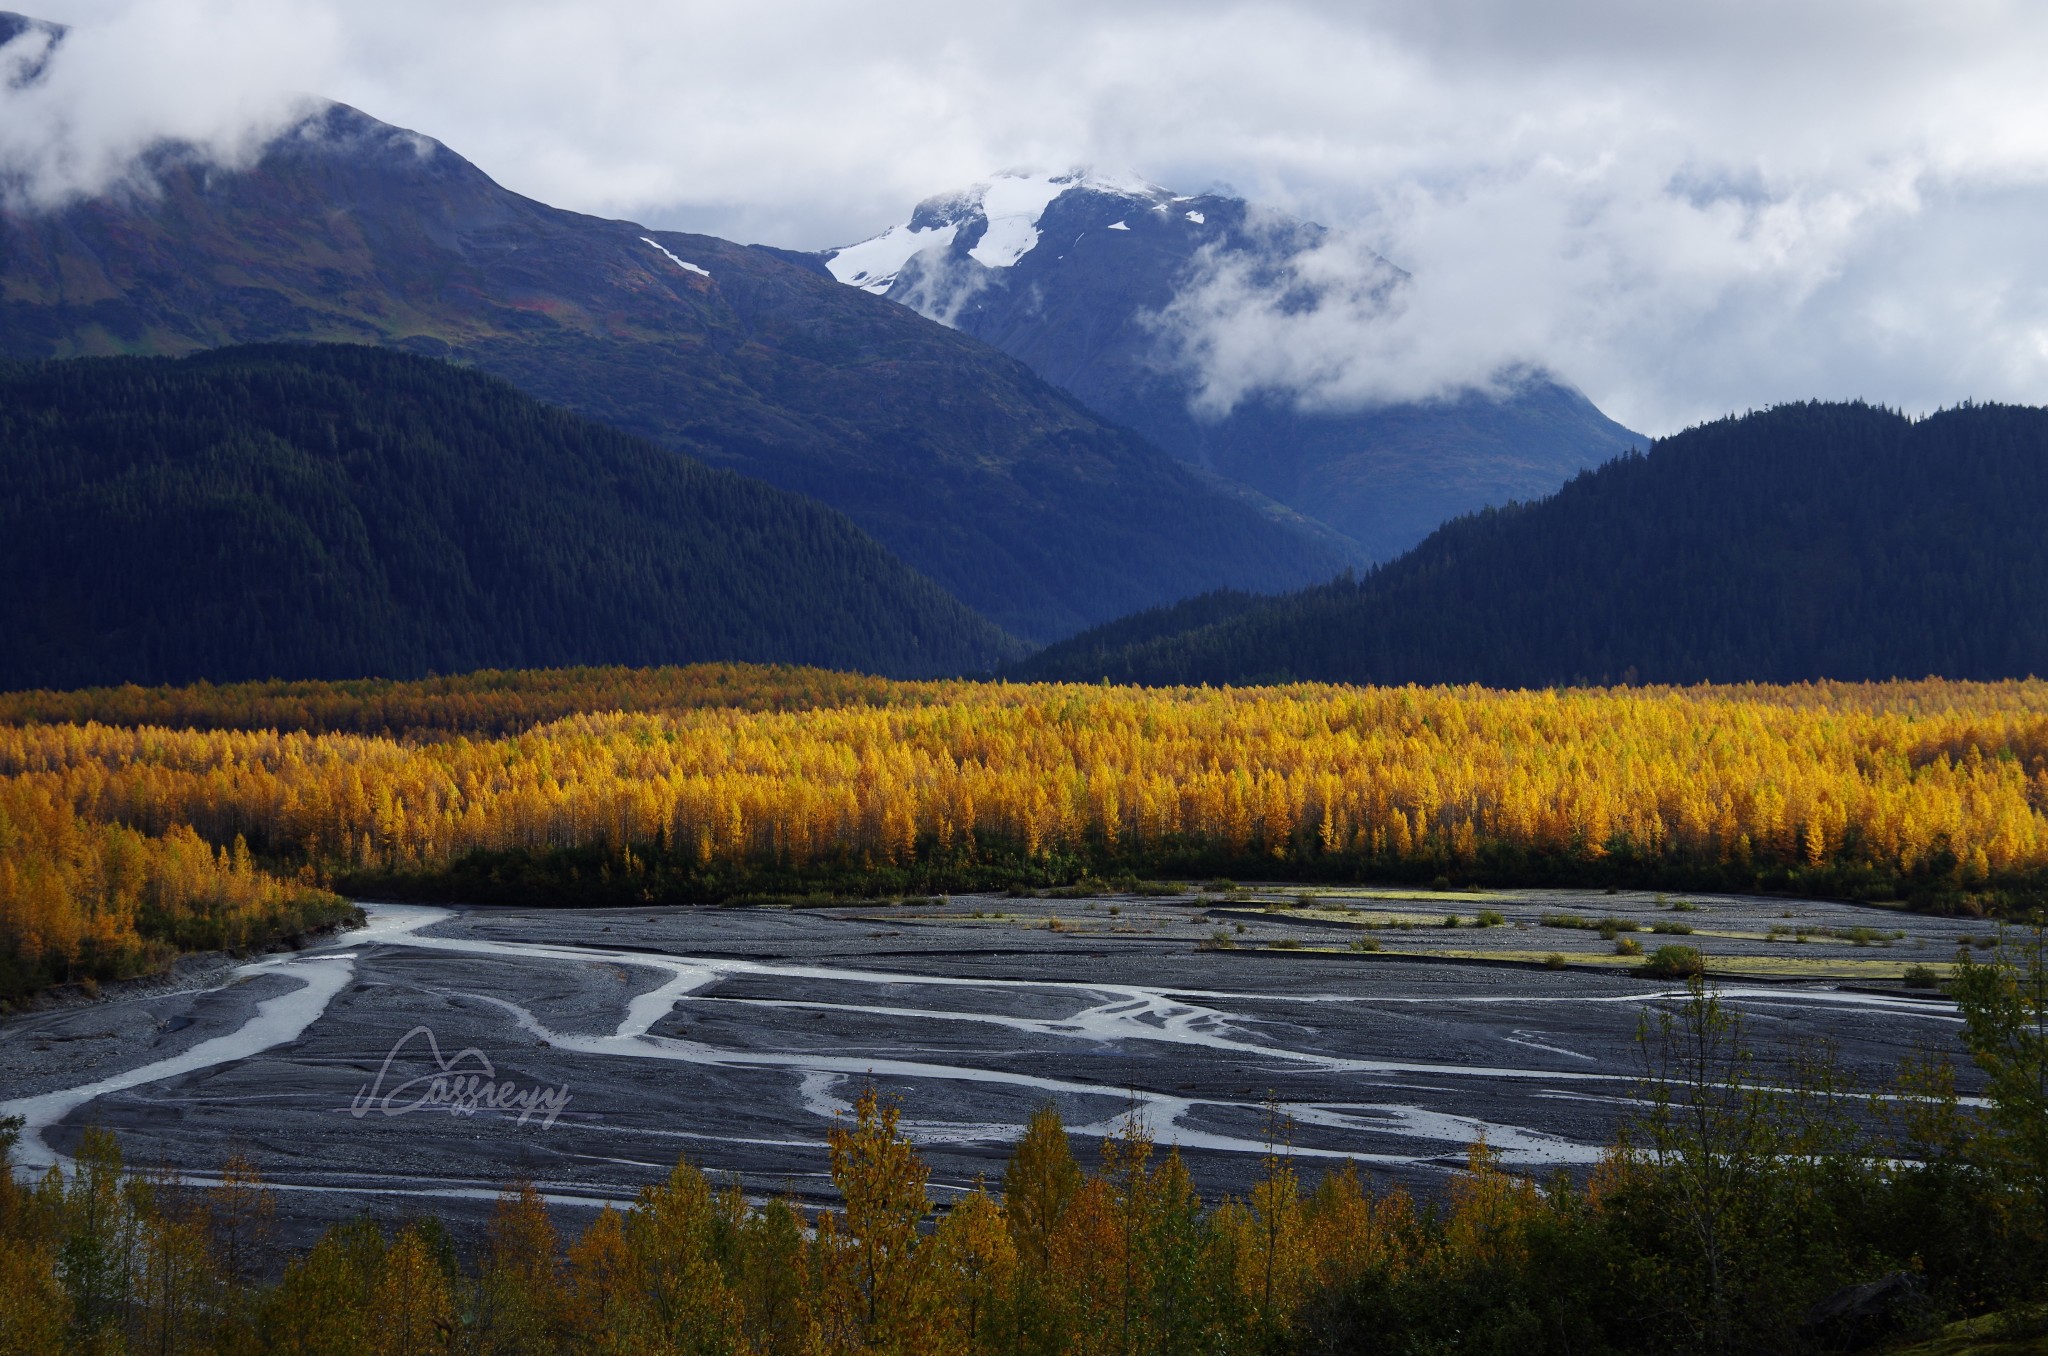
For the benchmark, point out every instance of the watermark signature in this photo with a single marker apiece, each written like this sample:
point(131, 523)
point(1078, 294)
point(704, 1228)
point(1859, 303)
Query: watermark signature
point(461, 1085)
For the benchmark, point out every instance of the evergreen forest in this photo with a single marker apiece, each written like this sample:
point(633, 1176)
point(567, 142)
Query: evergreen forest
point(1813, 541)
point(341, 511)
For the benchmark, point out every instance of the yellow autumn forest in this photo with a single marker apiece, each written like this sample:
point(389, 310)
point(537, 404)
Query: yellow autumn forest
point(1739, 1195)
point(130, 818)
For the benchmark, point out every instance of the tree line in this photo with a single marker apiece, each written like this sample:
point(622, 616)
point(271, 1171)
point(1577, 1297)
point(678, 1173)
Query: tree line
point(787, 779)
point(1803, 542)
point(331, 511)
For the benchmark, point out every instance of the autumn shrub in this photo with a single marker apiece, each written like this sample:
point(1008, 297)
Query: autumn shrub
point(1674, 962)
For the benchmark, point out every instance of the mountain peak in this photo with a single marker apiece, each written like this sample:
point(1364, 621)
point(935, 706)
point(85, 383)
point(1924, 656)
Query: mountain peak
point(1005, 208)
point(1100, 282)
point(20, 70)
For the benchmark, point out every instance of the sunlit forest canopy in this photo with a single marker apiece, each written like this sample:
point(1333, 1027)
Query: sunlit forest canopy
point(699, 785)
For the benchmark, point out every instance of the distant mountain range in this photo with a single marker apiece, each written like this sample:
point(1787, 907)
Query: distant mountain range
point(339, 510)
point(1070, 272)
point(1014, 497)
point(981, 392)
point(1805, 542)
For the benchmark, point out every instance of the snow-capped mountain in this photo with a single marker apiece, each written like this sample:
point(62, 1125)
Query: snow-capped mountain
point(1000, 217)
point(1007, 493)
point(1068, 271)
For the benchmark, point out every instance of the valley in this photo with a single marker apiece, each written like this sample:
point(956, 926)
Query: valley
point(1104, 770)
point(739, 1037)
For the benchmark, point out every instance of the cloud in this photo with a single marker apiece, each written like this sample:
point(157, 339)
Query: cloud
point(1683, 209)
point(78, 111)
point(1673, 292)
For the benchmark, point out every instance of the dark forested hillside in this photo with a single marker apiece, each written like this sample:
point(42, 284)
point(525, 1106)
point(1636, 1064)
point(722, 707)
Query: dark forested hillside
point(1808, 541)
point(1008, 493)
point(334, 511)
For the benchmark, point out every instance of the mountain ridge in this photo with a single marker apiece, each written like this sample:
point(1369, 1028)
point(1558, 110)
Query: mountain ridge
point(1081, 302)
point(1805, 542)
point(1014, 497)
point(344, 511)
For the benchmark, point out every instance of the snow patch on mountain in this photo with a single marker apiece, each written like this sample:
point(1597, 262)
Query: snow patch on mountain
point(1118, 226)
point(872, 265)
point(1197, 218)
point(1010, 206)
point(679, 263)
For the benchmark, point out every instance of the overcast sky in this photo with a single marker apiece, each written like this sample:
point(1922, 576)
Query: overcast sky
point(1683, 208)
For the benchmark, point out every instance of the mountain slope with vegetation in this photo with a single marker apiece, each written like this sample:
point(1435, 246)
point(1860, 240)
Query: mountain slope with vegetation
point(1804, 542)
point(341, 511)
point(1011, 495)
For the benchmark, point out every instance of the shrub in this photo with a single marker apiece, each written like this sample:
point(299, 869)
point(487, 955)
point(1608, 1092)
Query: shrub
point(1921, 977)
point(1284, 944)
point(1450, 920)
point(1219, 940)
point(1554, 961)
point(1628, 946)
point(1675, 962)
point(1673, 929)
point(1491, 918)
point(1365, 943)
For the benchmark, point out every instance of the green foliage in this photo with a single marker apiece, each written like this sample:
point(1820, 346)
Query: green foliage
point(2004, 1003)
point(1802, 542)
point(963, 464)
point(1673, 962)
point(338, 511)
